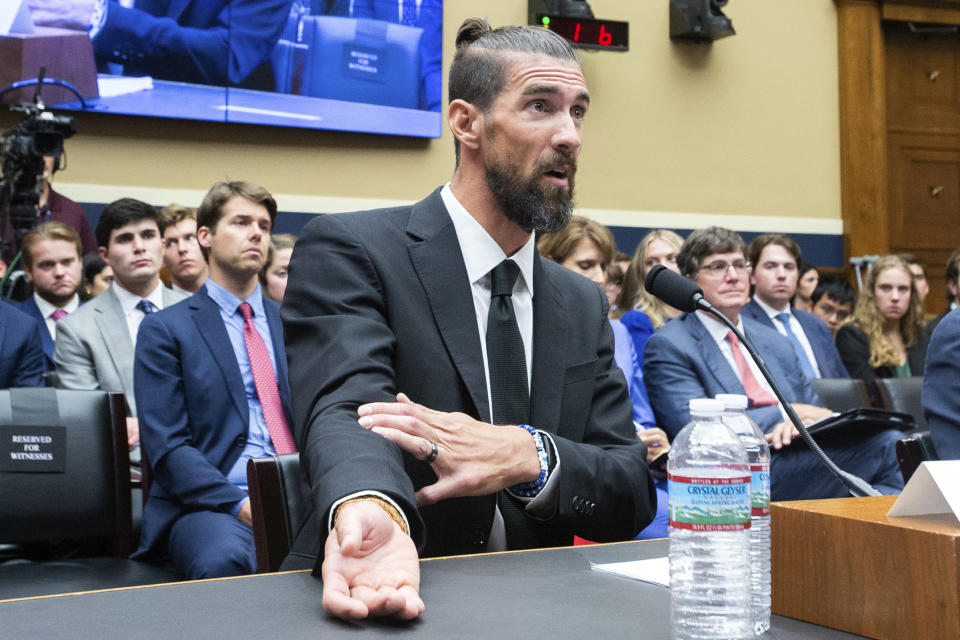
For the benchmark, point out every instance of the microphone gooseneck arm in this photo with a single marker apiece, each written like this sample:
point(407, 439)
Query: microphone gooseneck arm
point(685, 295)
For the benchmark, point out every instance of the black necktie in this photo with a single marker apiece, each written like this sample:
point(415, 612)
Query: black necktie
point(506, 358)
point(509, 394)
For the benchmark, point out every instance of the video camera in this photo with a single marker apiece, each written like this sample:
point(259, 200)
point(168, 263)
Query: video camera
point(22, 149)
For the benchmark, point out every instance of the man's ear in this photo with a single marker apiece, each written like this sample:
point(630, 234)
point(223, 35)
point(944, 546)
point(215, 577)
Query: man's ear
point(465, 122)
point(103, 253)
point(203, 236)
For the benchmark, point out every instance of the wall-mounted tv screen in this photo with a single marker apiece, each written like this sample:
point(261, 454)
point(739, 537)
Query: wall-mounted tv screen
point(349, 65)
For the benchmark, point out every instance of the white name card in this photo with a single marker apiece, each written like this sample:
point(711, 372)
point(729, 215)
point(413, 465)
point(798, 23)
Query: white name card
point(15, 17)
point(933, 488)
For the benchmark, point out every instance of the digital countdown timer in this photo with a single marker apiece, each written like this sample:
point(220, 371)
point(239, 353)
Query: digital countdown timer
point(608, 35)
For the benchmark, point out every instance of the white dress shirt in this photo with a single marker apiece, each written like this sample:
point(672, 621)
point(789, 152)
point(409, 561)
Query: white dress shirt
point(47, 309)
point(129, 302)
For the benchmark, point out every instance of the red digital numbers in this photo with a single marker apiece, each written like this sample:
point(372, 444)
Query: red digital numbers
point(576, 33)
point(605, 38)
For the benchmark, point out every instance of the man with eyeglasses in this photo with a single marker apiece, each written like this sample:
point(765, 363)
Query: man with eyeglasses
point(775, 260)
point(697, 356)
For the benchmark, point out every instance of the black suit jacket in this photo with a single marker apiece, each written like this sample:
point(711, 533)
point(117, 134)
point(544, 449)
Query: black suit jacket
point(379, 302)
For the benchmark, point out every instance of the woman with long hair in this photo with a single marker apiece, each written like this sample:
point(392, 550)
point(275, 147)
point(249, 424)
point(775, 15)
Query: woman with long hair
point(806, 285)
point(640, 312)
point(882, 337)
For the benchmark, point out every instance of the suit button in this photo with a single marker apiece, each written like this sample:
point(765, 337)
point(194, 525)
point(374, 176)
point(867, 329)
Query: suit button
point(240, 441)
point(477, 538)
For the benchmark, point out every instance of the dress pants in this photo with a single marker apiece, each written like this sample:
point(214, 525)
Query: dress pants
point(796, 473)
point(209, 544)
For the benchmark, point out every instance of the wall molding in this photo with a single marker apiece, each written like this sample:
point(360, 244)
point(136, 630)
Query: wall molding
point(98, 193)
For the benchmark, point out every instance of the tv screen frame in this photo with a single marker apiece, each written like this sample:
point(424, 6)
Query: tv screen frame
point(341, 65)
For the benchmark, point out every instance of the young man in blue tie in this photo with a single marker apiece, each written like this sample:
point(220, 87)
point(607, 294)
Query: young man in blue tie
point(775, 268)
point(210, 376)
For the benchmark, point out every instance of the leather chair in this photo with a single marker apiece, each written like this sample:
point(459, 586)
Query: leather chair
point(841, 394)
point(903, 395)
point(86, 498)
point(913, 450)
point(279, 501)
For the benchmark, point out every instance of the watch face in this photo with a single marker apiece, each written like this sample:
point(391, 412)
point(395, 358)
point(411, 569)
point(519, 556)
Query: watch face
point(590, 34)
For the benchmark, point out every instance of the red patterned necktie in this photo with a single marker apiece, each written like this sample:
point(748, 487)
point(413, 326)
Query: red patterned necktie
point(56, 315)
point(265, 381)
point(756, 394)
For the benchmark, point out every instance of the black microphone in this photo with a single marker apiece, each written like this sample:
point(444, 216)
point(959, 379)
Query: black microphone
point(683, 294)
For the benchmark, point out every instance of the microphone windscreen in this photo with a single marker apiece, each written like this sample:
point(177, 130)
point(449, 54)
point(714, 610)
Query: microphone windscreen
point(671, 287)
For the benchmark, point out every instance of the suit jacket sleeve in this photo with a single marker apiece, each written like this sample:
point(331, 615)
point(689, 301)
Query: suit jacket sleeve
point(941, 387)
point(339, 351)
point(165, 430)
point(854, 348)
point(222, 51)
point(74, 362)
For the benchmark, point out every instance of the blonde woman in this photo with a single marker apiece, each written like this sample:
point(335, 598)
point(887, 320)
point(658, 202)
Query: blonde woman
point(882, 337)
point(640, 312)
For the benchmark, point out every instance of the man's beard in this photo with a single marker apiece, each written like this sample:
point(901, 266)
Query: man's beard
point(525, 202)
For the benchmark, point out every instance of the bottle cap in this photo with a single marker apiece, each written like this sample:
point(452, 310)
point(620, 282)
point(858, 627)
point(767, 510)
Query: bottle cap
point(733, 400)
point(706, 405)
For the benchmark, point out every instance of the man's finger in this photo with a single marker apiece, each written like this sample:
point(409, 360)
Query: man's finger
point(419, 448)
point(413, 603)
point(434, 492)
point(341, 605)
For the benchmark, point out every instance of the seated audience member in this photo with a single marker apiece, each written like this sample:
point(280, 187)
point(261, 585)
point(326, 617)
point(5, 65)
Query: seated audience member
point(612, 286)
point(919, 270)
point(181, 253)
point(94, 345)
point(775, 260)
point(952, 293)
point(697, 356)
point(941, 387)
point(212, 392)
point(51, 260)
point(806, 285)
point(883, 339)
point(21, 353)
point(585, 247)
point(621, 259)
point(273, 276)
point(97, 276)
point(833, 302)
point(640, 312)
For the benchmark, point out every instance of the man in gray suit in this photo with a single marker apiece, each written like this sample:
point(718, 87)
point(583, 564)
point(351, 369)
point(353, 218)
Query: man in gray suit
point(94, 345)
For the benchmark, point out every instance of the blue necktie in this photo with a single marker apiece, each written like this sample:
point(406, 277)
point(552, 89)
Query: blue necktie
point(805, 364)
point(409, 13)
point(146, 306)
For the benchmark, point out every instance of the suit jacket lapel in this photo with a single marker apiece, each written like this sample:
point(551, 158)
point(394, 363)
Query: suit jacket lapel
point(436, 257)
point(549, 348)
point(118, 342)
point(206, 315)
point(713, 358)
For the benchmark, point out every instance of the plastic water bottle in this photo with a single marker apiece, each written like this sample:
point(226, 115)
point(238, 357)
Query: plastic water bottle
point(758, 456)
point(709, 486)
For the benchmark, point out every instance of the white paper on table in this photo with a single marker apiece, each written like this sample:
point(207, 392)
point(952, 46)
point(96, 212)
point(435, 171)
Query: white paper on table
point(653, 570)
point(15, 17)
point(933, 488)
point(110, 86)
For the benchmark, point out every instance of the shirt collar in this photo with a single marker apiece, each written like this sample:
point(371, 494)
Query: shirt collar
point(46, 308)
point(770, 311)
point(129, 301)
point(481, 253)
point(718, 331)
point(229, 302)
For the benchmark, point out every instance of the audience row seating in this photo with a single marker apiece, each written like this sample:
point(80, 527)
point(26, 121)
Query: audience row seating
point(89, 500)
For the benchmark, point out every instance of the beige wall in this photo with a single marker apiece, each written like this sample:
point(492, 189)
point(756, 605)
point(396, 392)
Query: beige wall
point(746, 127)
